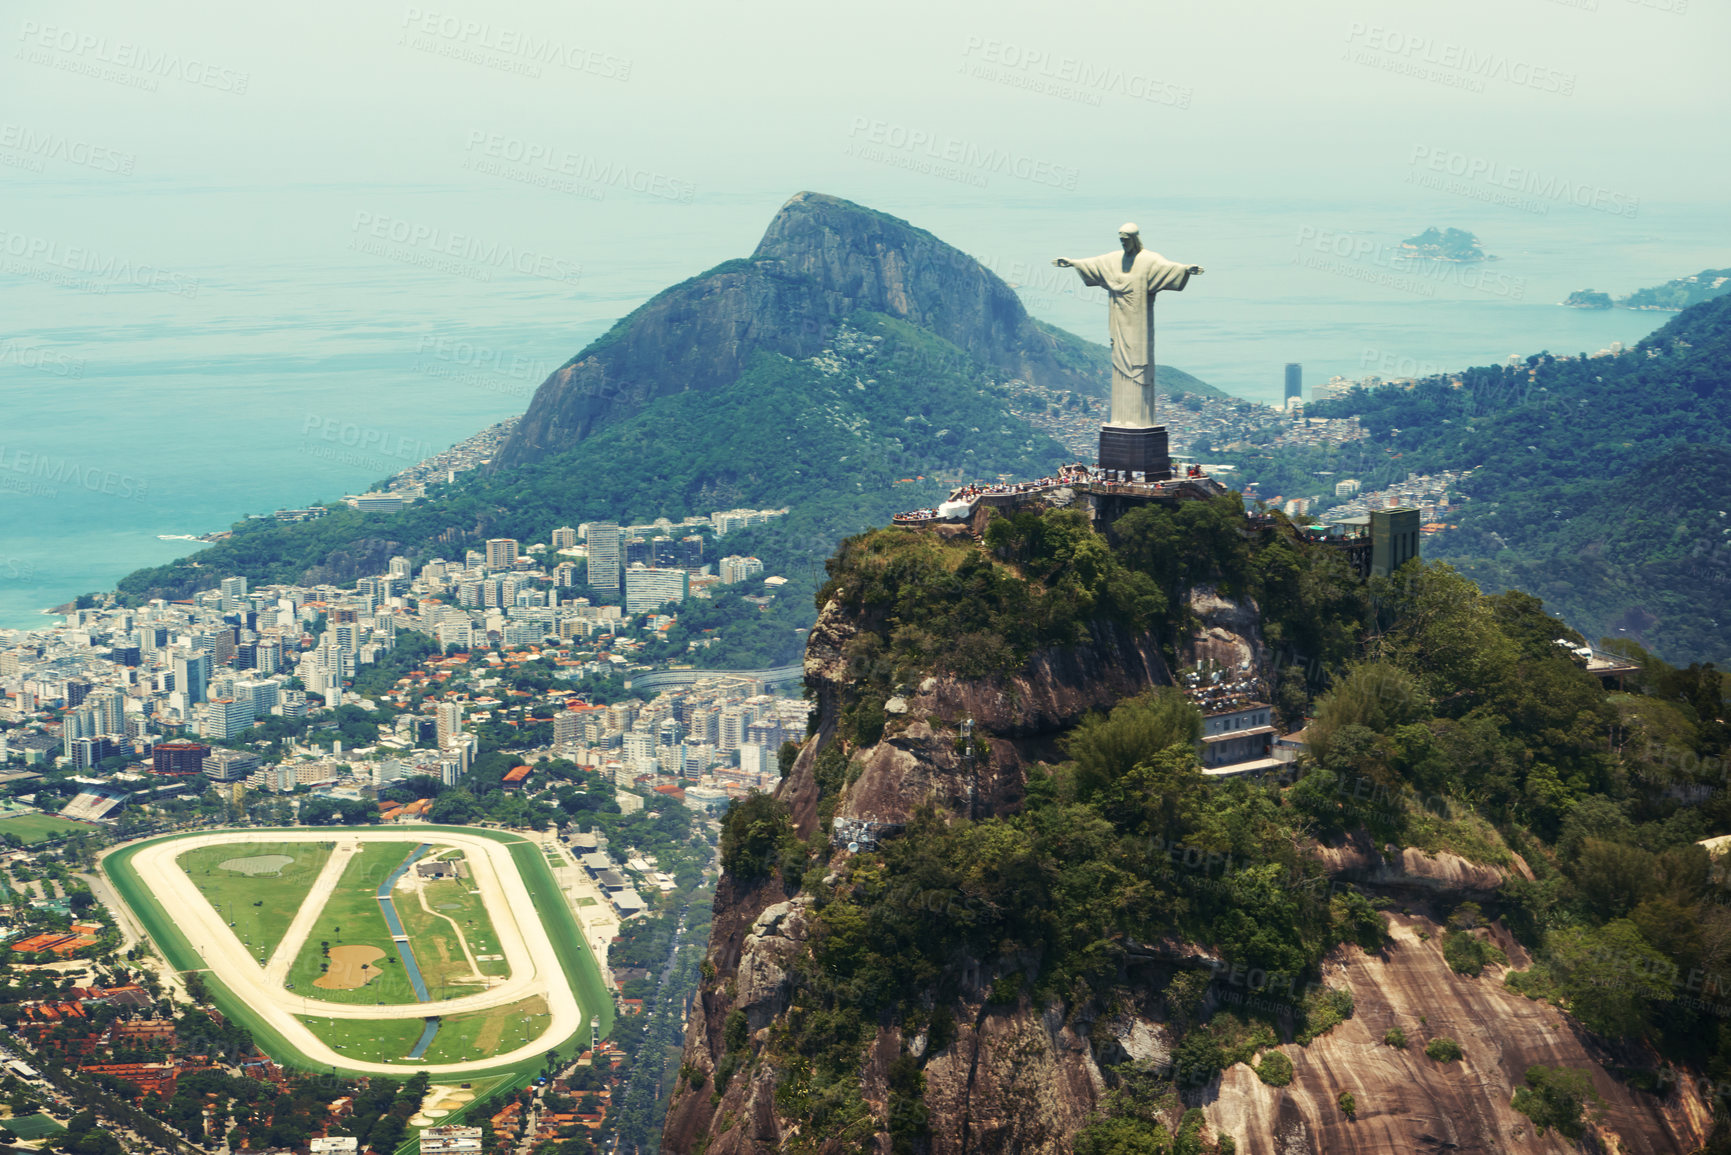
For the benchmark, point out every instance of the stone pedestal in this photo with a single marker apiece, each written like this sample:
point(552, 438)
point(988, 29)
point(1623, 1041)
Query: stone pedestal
point(1136, 451)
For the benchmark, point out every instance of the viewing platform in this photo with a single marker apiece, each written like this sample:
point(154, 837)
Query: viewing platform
point(1106, 493)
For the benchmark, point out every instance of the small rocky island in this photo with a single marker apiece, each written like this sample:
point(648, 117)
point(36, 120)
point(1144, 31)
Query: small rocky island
point(1436, 244)
point(1588, 299)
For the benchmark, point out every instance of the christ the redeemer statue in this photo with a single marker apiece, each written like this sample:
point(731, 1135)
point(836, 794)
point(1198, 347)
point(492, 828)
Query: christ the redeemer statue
point(1131, 279)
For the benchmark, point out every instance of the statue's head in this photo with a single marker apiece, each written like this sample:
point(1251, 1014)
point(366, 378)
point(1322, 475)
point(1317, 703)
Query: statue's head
point(1131, 238)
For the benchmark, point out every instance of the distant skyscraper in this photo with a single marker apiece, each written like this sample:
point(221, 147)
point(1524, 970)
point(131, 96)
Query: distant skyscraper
point(604, 567)
point(564, 537)
point(191, 674)
point(1294, 381)
point(501, 553)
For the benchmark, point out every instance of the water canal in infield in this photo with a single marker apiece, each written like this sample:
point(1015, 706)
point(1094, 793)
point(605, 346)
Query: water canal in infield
point(398, 935)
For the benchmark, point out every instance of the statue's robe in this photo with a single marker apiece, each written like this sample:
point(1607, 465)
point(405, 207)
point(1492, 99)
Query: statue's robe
point(1130, 283)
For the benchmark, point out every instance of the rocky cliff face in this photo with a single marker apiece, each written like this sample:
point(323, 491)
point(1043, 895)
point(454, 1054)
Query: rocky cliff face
point(821, 260)
point(1016, 1077)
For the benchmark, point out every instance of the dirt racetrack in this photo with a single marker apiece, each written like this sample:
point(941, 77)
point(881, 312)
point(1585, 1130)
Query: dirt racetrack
point(535, 968)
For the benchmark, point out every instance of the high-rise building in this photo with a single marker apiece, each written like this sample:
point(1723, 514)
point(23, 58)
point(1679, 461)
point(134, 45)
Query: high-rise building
point(501, 553)
point(565, 575)
point(1294, 382)
point(109, 708)
point(733, 723)
point(567, 728)
point(636, 551)
point(178, 758)
point(1394, 538)
point(604, 567)
point(751, 758)
point(226, 717)
point(400, 567)
point(564, 537)
point(191, 674)
point(450, 715)
point(648, 589)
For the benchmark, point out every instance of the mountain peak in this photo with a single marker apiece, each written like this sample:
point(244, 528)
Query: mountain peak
point(821, 260)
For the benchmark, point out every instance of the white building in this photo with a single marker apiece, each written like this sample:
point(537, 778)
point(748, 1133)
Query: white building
point(649, 589)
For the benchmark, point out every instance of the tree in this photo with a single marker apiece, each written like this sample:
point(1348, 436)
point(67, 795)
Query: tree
point(751, 833)
point(1105, 749)
point(454, 807)
point(1610, 976)
point(1558, 1098)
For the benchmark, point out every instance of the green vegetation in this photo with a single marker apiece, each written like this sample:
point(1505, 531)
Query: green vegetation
point(1559, 1099)
point(439, 945)
point(752, 835)
point(1442, 718)
point(1682, 292)
point(30, 829)
point(1596, 485)
point(351, 918)
point(1050, 581)
point(1394, 1037)
point(1449, 244)
point(1469, 954)
point(1443, 1049)
point(461, 1038)
point(1347, 1104)
point(930, 411)
point(260, 905)
point(1275, 1069)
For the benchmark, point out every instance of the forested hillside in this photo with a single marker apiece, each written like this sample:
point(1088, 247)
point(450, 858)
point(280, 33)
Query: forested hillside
point(1485, 795)
point(1599, 484)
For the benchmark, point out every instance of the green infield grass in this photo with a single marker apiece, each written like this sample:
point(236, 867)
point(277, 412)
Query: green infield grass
point(352, 927)
point(461, 1038)
point(257, 887)
point(456, 916)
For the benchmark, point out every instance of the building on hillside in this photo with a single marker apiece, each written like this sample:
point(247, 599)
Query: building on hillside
point(1394, 535)
point(1239, 736)
point(737, 569)
point(604, 555)
point(649, 589)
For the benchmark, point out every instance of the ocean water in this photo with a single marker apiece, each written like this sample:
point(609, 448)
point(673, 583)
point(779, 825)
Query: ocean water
point(175, 358)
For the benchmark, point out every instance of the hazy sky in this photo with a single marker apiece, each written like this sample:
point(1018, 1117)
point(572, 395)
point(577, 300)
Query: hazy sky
point(1212, 98)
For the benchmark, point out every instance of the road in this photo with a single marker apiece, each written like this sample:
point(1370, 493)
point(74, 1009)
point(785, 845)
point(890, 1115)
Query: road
point(131, 933)
point(534, 963)
point(662, 679)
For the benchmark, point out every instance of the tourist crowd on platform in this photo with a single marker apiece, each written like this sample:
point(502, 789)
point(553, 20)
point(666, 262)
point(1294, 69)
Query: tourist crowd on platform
point(1066, 476)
